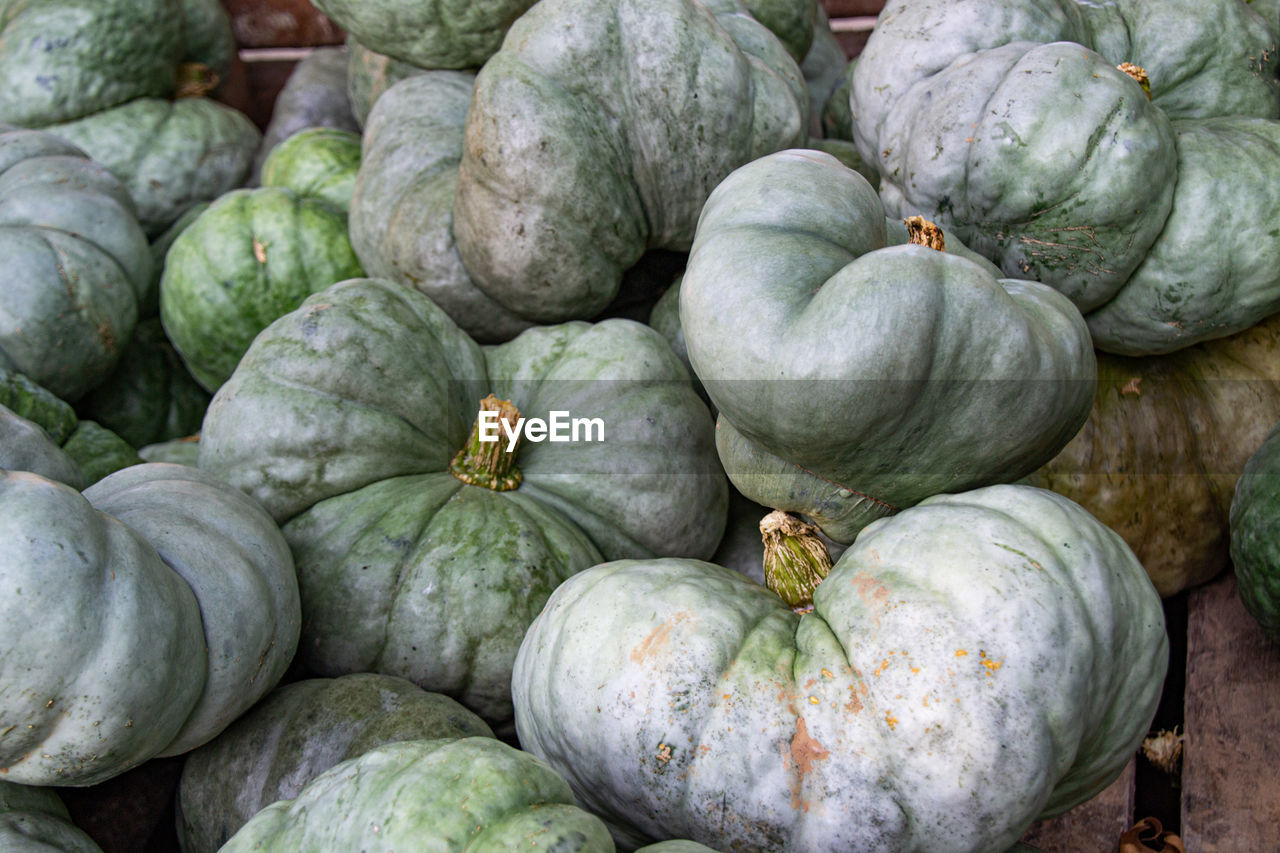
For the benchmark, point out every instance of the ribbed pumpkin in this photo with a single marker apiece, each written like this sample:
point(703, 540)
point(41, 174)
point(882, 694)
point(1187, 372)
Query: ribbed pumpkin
point(321, 162)
point(1255, 535)
point(35, 819)
point(1086, 145)
point(315, 95)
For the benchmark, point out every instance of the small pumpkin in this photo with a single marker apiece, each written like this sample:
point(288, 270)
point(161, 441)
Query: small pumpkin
point(139, 618)
point(910, 709)
point(35, 819)
point(1254, 519)
point(321, 162)
point(294, 734)
point(854, 377)
point(315, 95)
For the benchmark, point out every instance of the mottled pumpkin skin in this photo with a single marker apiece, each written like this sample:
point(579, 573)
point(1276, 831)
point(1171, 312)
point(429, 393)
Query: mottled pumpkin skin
point(169, 154)
point(591, 138)
point(315, 95)
point(369, 74)
point(252, 256)
point(342, 419)
point(321, 162)
point(911, 710)
point(76, 266)
point(1159, 457)
point(428, 33)
point(296, 733)
point(35, 820)
point(854, 377)
point(64, 59)
point(960, 106)
point(1255, 544)
point(140, 618)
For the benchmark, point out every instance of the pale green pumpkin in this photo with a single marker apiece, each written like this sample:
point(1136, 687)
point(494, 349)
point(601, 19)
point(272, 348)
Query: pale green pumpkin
point(970, 664)
point(33, 820)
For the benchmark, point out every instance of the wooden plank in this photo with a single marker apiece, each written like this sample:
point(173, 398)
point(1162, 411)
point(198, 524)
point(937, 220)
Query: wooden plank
point(851, 8)
point(1091, 826)
point(1231, 790)
point(281, 23)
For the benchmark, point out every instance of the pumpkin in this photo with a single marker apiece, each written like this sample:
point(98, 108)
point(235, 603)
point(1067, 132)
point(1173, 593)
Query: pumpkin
point(402, 200)
point(321, 162)
point(99, 451)
point(179, 451)
point(35, 819)
point(25, 446)
point(250, 257)
point(369, 74)
point(431, 34)
point(207, 38)
point(293, 735)
point(473, 793)
point(150, 396)
point(77, 263)
point(969, 664)
point(343, 418)
point(823, 68)
point(315, 95)
point(854, 377)
point(961, 107)
point(169, 154)
point(1253, 522)
point(139, 619)
point(1159, 457)
point(589, 140)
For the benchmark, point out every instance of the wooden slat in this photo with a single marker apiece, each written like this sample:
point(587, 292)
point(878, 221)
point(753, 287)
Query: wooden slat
point(851, 8)
point(1231, 788)
point(281, 23)
point(1092, 826)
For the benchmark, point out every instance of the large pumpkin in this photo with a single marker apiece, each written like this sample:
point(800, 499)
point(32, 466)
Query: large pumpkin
point(139, 619)
point(1013, 122)
point(1255, 541)
point(853, 377)
point(77, 263)
point(348, 419)
point(294, 734)
point(972, 663)
point(592, 138)
point(1159, 457)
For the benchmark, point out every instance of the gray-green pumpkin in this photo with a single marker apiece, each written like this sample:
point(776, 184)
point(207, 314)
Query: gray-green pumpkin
point(472, 793)
point(34, 820)
point(1255, 543)
point(315, 95)
point(321, 162)
point(591, 138)
point(294, 734)
point(369, 74)
point(855, 372)
point(1086, 145)
point(970, 664)
point(170, 154)
point(76, 265)
point(139, 619)
point(347, 418)
point(250, 257)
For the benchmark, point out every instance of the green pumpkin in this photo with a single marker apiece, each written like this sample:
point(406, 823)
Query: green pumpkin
point(343, 418)
point(250, 257)
point(402, 201)
point(169, 154)
point(317, 161)
point(1255, 545)
point(35, 819)
point(139, 619)
point(823, 68)
point(472, 793)
point(970, 664)
point(65, 59)
point(856, 374)
point(589, 141)
point(315, 95)
point(179, 451)
point(150, 397)
point(1160, 455)
point(794, 22)
point(76, 266)
point(25, 446)
point(99, 451)
point(293, 735)
point(428, 33)
point(369, 74)
point(207, 37)
point(1011, 122)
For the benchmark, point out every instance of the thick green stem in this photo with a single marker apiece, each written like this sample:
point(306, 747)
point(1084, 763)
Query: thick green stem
point(491, 463)
point(795, 559)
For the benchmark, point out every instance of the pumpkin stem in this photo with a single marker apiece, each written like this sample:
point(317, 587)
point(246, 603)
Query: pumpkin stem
point(195, 80)
point(1137, 72)
point(922, 232)
point(491, 463)
point(795, 559)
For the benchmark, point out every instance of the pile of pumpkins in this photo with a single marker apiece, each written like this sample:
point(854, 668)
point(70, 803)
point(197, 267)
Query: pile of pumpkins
point(919, 381)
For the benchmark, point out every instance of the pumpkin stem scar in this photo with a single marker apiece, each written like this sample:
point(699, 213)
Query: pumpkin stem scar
point(489, 463)
point(922, 232)
point(195, 80)
point(795, 559)
point(1137, 72)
